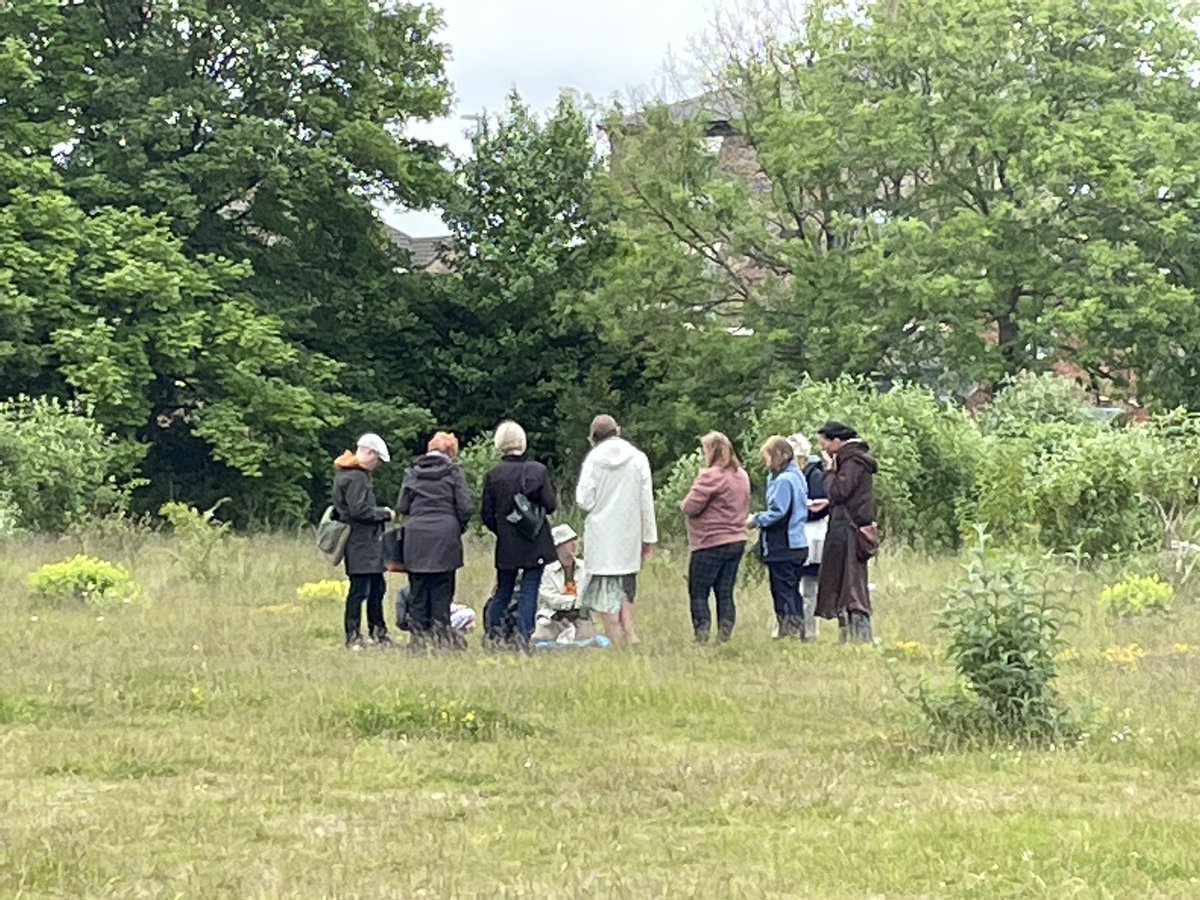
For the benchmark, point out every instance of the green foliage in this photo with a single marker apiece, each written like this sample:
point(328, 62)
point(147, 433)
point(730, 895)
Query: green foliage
point(85, 580)
point(57, 463)
point(1138, 595)
point(1028, 404)
point(1004, 635)
point(477, 459)
point(671, 491)
point(424, 717)
point(199, 535)
point(927, 452)
point(16, 710)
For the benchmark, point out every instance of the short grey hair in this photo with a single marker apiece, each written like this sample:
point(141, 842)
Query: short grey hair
point(800, 446)
point(510, 438)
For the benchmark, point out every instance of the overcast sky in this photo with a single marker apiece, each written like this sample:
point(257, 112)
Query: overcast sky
point(597, 47)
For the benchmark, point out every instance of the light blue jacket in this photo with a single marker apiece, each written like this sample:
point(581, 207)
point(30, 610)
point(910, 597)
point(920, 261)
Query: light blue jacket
point(787, 497)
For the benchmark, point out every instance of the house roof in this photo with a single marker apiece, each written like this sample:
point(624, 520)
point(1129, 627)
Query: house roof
point(717, 110)
point(422, 251)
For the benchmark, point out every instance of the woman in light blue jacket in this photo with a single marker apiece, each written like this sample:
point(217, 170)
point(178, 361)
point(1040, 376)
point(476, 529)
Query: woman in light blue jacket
point(781, 534)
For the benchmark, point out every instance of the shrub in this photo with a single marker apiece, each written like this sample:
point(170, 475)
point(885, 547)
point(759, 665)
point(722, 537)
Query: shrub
point(426, 717)
point(927, 452)
point(329, 590)
point(1030, 402)
point(56, 463)
point(670, 494)
point(1004, 636)
point(198, 535)
point(87, 580)
point(1138, 595)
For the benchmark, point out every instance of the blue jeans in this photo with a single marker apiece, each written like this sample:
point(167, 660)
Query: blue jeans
point(506, 583)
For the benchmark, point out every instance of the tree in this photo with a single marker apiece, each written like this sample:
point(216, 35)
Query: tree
point(500, 339)
point(958, 190)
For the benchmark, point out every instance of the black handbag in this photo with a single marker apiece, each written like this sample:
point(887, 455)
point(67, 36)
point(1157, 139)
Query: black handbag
point(528, 517)
point(393, 549)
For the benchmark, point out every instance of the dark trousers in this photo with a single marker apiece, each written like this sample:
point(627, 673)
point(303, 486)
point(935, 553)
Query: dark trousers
point(784, 578)
point(370, 588)
point(506, 583)
point(429, 607)
point(715, 570)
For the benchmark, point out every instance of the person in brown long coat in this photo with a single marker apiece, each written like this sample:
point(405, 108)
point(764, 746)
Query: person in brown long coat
point(842, 592)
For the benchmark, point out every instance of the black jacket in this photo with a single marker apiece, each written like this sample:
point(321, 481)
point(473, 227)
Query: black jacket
point(354, 502)
point(437, 504)
point(513, 475)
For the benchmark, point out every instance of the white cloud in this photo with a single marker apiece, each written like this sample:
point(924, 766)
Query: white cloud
point(596, 47)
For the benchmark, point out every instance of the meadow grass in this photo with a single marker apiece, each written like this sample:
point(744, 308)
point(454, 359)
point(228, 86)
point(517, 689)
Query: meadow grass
point(221, 743)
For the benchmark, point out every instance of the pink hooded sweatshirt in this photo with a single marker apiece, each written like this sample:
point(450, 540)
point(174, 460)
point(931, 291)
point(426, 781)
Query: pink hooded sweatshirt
point(717, 507)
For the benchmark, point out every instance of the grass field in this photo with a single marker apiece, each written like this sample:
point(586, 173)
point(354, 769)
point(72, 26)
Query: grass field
point(220, 743)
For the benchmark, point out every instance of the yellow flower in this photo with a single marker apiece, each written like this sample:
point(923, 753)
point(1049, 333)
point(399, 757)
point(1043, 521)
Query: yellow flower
point(1128, 657)
point(1181, 648)
point(1070, 654)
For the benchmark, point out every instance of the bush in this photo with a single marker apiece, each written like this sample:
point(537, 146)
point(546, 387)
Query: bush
point(1138, 595)
point(56, 464)
point(319, 592)
point(1028, 403)
point(198, 535)
point(87, 580)
point(927, 452)
point(1005, 634)
point(426, 717)
point(671, 523)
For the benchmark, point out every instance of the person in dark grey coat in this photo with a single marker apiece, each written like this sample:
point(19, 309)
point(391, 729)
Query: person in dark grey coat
point(354, 502)
point(516, 554)
point(437, 506)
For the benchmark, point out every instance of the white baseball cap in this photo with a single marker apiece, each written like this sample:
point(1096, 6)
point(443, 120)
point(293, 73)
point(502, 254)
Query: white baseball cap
point(372, 441)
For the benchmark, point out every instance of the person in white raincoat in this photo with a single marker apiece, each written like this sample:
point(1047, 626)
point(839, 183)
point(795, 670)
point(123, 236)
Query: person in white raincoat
point(615, 491)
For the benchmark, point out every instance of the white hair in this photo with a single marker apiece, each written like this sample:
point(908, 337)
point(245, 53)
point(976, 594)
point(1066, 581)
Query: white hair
point(510, 438)
point(800, 446)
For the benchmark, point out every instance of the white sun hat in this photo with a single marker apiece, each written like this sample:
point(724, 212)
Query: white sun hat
point(372, 441)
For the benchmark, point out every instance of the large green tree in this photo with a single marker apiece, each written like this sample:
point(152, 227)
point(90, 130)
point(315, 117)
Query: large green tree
point(956, 190)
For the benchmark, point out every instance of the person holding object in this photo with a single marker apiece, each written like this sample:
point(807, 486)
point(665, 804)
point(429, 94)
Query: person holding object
point(782, 542)
point(437, 506)
point(518, 553)
point(616, 492)
point(815, 529)
point(354, 502)
point(843, 591)
point(716, 508)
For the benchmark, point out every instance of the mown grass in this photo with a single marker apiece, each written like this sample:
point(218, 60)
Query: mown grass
point(220, 743)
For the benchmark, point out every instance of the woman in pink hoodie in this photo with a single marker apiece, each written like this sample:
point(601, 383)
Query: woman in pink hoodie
point(716, 509)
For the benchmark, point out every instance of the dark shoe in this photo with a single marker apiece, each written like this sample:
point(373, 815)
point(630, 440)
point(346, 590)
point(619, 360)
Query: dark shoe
point(843, 629)
point(354, 642)
point(860, 628)
point(724, 632)
point(701, 635)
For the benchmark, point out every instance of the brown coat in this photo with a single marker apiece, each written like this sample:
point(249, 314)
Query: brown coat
point(851, 486)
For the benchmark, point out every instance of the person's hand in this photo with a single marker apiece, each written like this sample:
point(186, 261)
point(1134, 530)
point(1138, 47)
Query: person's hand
point(827, 458)
point(647, 549)
point(391, 514)
point(750, 523)
point(817, 505)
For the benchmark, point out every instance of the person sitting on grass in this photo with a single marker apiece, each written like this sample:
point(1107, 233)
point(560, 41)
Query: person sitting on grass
point(558, 596)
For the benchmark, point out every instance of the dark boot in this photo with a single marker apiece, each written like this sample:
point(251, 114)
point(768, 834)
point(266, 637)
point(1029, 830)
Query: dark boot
point(860, 628)
point(843, 629)
point(724, 632)
point(701, 635)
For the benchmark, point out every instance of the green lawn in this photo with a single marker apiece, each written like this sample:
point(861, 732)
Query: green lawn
point(204, 746)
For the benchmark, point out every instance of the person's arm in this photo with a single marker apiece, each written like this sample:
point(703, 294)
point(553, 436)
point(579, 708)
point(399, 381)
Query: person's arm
point(404, 501)
point(359, 508)
point(488, 512)
point(552, 591)
point(775, 509)
point(842, 481)
point(585, 490)
point(649, 523)
point(818, 497)
point(700, 494)
point(463, 505)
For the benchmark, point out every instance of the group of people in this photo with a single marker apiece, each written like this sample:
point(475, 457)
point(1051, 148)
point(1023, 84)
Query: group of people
point(809, 536)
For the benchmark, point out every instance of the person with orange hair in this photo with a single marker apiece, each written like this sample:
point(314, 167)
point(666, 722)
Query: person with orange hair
point(437, 506)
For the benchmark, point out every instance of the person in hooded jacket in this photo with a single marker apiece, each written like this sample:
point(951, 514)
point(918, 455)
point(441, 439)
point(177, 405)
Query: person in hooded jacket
point(616, 492)
point(436, 504)
point(517, 557)
point(354, 502)
point(782, 540)
point(843, 592)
